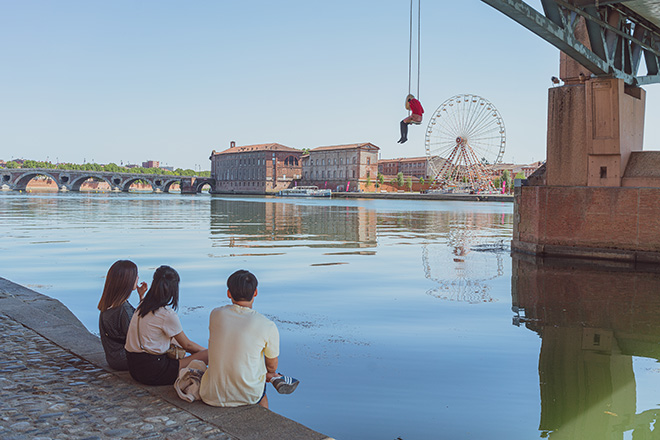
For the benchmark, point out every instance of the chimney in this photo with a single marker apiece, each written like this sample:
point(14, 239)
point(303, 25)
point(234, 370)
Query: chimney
point(232, 144)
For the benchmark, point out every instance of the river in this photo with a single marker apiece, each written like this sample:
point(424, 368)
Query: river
point(402, 319)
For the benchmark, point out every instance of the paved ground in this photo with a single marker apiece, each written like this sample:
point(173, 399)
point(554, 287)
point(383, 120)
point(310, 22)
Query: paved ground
point(48, 393)
point(55, 384)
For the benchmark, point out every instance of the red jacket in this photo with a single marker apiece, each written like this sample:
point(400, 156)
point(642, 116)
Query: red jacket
point(416, 107)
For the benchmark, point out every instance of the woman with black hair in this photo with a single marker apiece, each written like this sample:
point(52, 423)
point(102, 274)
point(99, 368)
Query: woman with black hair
point(116, 311)
point(153, 327)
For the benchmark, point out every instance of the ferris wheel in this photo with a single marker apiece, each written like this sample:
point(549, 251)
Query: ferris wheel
point(464, 138)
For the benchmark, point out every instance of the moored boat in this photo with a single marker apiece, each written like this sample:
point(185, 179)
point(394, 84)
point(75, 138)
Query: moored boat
point(305, 191)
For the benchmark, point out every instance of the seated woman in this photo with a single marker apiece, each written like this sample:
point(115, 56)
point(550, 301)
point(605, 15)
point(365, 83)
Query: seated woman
point(415, 118)
point(116, 311)
point(153, 327)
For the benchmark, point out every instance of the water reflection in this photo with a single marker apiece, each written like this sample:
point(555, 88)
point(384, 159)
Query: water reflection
point(240, 223)
point(477, 257)
point(595, 323)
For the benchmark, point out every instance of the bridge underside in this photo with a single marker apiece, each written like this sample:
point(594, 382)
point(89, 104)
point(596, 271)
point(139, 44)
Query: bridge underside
point(618, 34)
point(598, 194)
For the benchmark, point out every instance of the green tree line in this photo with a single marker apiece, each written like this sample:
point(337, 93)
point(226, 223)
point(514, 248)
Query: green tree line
point(111, 167)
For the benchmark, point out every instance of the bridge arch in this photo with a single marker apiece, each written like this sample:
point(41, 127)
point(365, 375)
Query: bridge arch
point(201, 183)
point(126, 184)
point(168, 184)
point(76, 183)
point(22, 182)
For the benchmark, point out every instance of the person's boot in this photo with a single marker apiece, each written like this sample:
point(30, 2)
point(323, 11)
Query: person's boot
point(404, 133)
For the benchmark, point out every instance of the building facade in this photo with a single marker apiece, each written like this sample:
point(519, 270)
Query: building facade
point(515, 169)
point(352, 167)
point(255, 169)
point(416, 167)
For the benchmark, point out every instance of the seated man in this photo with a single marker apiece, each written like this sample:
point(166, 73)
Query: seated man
point(243, 350)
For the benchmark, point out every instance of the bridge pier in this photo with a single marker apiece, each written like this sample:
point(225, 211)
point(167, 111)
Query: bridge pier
point(187, 186)
point(598, 194)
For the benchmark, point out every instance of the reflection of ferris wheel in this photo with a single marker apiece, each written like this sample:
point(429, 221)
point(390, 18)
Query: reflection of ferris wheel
point(464, 136)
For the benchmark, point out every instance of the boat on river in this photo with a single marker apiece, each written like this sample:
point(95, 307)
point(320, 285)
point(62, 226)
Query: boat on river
point(305, 191)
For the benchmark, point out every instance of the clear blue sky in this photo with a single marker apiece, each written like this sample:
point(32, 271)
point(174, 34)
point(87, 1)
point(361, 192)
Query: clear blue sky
point(165, 80)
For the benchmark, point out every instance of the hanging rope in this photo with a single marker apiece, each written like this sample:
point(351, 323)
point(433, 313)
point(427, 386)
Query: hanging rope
point(419, 41)
point(410, 47)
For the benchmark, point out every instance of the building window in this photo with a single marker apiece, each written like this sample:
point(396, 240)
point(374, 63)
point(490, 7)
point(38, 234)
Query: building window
point(354, 160)
point(353, 174)
point(368, 161)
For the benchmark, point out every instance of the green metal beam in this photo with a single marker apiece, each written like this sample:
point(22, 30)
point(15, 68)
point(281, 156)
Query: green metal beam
point(618, 36)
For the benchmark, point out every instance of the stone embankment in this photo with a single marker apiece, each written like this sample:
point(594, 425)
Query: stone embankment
point(55, 384)
point(428, 196)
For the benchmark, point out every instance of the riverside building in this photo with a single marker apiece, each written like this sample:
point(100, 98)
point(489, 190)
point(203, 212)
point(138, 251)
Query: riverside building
point(416, 167)
point(352, 167)
point(255, 169)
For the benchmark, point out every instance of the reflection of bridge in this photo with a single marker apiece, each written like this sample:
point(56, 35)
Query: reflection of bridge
point(593, 321)
point(71, 180)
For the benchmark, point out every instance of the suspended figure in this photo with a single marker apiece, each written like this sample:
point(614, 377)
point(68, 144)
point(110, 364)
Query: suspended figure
point(417, 110)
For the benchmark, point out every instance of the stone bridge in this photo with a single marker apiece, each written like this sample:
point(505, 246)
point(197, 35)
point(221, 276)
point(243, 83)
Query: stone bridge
point(71, 180)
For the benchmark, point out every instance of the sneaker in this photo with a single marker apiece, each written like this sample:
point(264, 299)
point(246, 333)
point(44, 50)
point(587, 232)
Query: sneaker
point(285, 384)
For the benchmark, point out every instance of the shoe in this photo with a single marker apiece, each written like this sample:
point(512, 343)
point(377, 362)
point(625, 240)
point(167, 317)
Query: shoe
point(285, 384)
point(403, 141)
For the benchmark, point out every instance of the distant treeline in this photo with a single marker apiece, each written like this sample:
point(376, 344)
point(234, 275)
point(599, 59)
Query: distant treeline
point(111, 167)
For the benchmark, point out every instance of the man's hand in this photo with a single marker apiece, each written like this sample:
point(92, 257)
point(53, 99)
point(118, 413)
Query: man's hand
point(271, 376)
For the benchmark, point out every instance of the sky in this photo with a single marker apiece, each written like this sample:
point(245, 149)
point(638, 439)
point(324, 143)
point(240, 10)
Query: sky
point(129, 81)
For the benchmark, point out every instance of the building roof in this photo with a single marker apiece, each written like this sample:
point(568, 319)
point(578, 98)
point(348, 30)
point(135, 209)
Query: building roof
point(257, 147)
point(367, 145)
point(403, 159)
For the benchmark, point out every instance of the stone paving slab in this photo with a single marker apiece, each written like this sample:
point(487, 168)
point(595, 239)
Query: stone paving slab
point(55, 384)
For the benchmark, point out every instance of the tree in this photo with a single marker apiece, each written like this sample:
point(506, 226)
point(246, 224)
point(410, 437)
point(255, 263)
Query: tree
point(506, 178)
point(368, 182)
point(11, 164)
point(422, 181)
point(381, 178)
point(409, 183)
point(399, 179)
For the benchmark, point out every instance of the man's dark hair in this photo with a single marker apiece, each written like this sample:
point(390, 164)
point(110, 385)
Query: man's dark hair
point(241, 285)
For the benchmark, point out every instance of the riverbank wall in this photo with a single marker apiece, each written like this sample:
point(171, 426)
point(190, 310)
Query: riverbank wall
point(55, 380)
point(428, 196)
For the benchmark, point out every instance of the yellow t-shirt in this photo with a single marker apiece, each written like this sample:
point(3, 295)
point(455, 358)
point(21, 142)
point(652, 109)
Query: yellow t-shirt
point(239, 338)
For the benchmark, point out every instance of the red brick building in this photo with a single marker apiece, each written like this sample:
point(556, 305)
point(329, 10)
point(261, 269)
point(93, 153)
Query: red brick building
point(415, 167)
point(514, 169)
point(351, 167)
point(255, 169)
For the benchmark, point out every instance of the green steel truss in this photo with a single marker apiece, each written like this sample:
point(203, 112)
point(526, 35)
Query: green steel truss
point(619, 37)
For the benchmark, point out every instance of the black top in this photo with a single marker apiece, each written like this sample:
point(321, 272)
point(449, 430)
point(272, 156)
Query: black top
point(113, 327)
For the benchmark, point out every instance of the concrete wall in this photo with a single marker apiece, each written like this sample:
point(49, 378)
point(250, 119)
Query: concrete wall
point(595, 222)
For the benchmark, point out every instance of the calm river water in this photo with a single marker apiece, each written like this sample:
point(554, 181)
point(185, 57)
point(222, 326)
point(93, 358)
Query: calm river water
point(402, 319)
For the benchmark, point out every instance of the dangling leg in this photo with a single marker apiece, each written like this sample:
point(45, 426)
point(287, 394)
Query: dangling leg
point(404, 132)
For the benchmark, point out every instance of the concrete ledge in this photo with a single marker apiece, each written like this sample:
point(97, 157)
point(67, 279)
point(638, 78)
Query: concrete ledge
point(53, 321)
point(625, 256)
point(431, 196)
